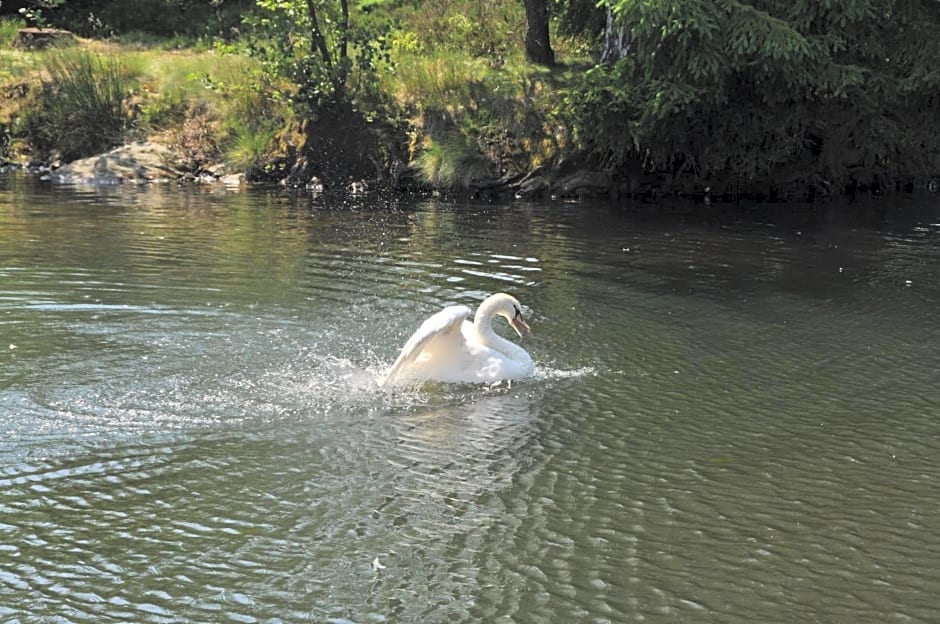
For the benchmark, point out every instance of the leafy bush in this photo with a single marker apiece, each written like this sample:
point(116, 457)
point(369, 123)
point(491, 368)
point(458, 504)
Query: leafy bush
point(324, 55)
point(80, 107)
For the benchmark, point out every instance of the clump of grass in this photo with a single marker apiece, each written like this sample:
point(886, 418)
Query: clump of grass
point(8, 28)
point(451, 162)
point(80, 107)
point(252, 120)
point(249, 148)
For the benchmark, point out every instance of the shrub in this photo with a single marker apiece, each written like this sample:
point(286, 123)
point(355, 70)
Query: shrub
point(80, 107)
point(196, 142)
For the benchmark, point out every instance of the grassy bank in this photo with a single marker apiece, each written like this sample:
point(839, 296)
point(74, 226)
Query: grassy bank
point(786, 101)
point(70, 102)
point(460, 107)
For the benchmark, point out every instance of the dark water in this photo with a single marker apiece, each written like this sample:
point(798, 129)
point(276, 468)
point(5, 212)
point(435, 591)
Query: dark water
point(734, 418)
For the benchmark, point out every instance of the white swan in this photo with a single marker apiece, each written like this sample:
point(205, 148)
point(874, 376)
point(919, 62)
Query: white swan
point(449, 348)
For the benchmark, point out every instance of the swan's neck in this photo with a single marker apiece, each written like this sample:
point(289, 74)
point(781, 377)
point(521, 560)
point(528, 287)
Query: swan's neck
point(483, 324)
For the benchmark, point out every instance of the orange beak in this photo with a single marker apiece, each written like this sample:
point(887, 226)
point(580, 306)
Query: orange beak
point(519, 324)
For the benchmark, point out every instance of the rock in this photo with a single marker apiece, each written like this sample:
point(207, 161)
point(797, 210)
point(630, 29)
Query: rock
point(140, 162)
point(233, 180)
point(534, 184)
point(41, 38)
point(586, 184)
point(358, 188)
point(314, 185)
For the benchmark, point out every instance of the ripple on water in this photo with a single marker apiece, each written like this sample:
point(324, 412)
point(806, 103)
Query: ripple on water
point(715, 430)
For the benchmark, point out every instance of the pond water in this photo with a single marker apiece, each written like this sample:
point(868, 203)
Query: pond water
point(733, 418)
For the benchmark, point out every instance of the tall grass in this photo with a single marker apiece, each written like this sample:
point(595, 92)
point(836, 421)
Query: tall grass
point(451, 162)
point(433, 81)
point(8, 28)
point(80, 108)
point(208, 99)
point(13, 63)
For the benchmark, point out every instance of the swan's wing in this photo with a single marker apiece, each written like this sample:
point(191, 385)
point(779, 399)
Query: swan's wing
point(446, 323)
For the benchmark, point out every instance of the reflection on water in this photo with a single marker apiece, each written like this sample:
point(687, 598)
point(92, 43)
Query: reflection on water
point(733, 418)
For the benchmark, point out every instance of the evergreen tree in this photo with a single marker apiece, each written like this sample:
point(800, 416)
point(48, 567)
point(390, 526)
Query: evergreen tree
point(817, 92)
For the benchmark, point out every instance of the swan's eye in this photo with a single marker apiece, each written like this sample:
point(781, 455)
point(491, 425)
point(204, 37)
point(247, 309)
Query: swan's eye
point(518, 311)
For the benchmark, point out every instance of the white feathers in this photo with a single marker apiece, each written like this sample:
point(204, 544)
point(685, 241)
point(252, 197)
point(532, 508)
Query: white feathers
point(449, 348)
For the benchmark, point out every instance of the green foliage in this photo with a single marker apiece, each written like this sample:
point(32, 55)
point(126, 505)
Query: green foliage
point(452, 162)
point(249, 147)
point(180, 20)
point(35, 11)
point(435, 81)
point(793, 90)
point(490, 29)
point(164, 112)
point(251, 124)
point(315, 53)
point(80, 109)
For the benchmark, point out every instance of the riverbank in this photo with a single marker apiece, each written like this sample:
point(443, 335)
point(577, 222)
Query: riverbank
point(424, 115)
point(153, 162)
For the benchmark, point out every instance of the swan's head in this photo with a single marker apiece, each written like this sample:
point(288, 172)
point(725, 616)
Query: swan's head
point(510, 309)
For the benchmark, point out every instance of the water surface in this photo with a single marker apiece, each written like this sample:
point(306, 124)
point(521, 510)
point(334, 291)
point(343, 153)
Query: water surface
point(734, 416)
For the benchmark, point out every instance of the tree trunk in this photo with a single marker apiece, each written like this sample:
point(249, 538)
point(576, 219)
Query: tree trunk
point(317, 41)
point(343, 40)
point(618, 39)
point(538, 48)
point(336, 67)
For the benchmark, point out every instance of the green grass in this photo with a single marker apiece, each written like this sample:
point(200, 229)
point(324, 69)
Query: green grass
point(14, 64)
point(149, 41)
point(248, 148)
point(8, 28)
point(510, 115)
point(92, 96)
point(170, 82)
point(451, 162)
point(433, 82)
point(473, 109)
point(80, 110)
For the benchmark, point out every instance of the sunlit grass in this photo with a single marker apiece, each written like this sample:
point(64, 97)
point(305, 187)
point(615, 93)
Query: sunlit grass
point(470, 112)
point(172, 81)
point(80, 108)
point(144, 89)
point(8, 28)
point(436, 81)
point(14, 64)
point(475, 117)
